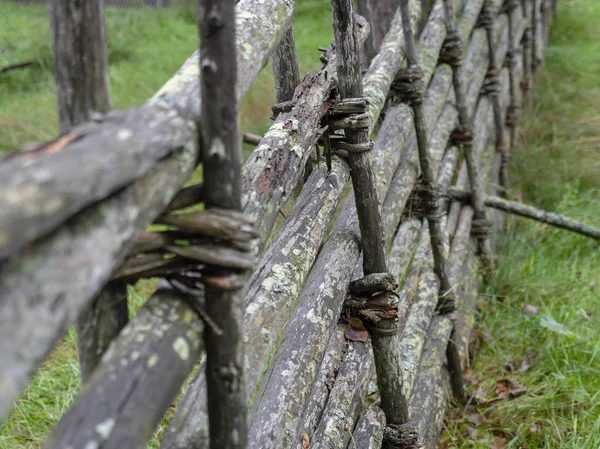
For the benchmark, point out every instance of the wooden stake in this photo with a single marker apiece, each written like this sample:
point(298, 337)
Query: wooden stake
point(222, 188)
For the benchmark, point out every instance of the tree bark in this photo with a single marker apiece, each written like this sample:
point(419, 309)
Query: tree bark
point(222, 162)
point(99, 325)
point(80, 60)
point(285, 67)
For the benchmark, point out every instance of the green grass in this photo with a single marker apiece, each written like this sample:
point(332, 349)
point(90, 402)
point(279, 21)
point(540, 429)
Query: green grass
point(557, 167)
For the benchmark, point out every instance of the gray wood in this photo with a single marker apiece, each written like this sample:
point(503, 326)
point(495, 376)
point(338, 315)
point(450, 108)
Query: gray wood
point(524, 210)
point(345, 399)
point(382, 13)
point(350, 86)
point(222, 162)
point(80, 60)
point(99, 325)
point(139, 377)
point(43, 187)
point(368, 433)
point(44, 289)
point(370, 49)
point(285, 67)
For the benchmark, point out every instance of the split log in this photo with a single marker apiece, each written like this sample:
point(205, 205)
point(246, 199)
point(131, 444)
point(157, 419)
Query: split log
point(368, 433)
point(430, 392)
point(323, 385)
point(345, 399)
point(523, 210)
point(47, 287)
point(151, 358)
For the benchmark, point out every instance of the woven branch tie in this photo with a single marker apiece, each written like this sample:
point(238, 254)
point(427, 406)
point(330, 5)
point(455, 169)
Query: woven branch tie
point(512, 116)
point(424, 202)
point(408, 85)
point(481, 228)
point(487, 16)
point(372, 300)
point(491, 84)
point(452, 50)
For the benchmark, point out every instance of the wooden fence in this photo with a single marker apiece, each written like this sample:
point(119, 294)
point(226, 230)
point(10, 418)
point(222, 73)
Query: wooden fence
point(377, 285)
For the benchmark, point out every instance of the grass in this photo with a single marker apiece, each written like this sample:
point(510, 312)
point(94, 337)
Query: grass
point(557, 167)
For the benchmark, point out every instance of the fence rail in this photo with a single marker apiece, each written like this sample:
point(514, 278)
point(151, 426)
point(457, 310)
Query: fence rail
point(323, 302)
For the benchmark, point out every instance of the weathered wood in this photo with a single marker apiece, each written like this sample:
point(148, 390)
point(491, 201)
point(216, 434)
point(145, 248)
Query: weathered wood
point(150, 359)
point(80, 60)
point(531, 212)
point(322, 385)
point(276, 406)
point(382, 13)
point(428, 399)
point(259, 28)
point(285, 67)
point(345, 399)
point(43, 187)
point(222, 162)
point(370, 49)
point(368, 433)
point(99, 325)
point(274, 169)
point(47, 287)
point(96, 159)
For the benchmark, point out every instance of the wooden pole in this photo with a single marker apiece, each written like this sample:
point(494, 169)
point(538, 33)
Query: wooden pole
point(368, 211)
point(80, 61)
point(523, 210)
point(285, 67)
point(222, 161)
point(436, 230)
point(82, 88)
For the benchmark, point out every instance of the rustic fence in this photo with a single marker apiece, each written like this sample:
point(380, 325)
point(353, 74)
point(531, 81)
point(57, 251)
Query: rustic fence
point(388, 289)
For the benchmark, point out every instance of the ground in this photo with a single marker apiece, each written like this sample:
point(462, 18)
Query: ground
point(557, 167)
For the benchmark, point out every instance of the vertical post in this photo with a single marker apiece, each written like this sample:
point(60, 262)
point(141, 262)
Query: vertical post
point(452, 53)
point(492, 87)
point(512, 115)
point(80, 62)
point(222, 162)
point(413, 74)
point(527, 83)
point(285, 67)
point(382, 13)
point(370, 49)
point(535, 43)
point(393, 401)
point(82, 87)
point(413, 84)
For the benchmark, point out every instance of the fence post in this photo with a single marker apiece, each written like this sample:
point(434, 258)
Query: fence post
point(222, 160)
point(82, 88)
point(393, 402)
point(285, 67)
point(80, 61)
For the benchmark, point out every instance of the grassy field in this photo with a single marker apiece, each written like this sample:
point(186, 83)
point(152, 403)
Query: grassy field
point(557, 166)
